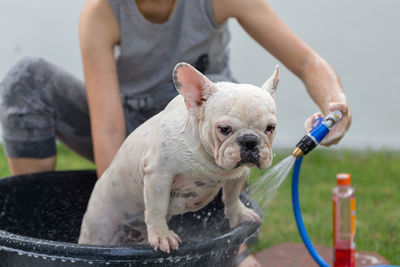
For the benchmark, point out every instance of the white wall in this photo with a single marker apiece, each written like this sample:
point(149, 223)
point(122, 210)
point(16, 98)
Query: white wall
point(45, 28)
point(359, 38)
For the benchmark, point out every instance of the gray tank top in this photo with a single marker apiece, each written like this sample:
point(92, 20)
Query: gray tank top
point(148, 52)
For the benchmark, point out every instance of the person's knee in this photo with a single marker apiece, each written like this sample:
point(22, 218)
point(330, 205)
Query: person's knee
point(21, 78)
point(21, 96)
point(27, 66)
point(30, 64)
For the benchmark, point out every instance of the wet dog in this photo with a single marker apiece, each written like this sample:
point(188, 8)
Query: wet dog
point(204, 140)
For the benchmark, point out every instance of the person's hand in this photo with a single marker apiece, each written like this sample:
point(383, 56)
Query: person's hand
point(339, 130)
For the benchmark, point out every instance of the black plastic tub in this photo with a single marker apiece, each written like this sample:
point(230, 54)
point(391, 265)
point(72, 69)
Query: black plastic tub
point(40, 217)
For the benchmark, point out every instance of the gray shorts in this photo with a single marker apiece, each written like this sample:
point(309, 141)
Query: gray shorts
point(40, 102)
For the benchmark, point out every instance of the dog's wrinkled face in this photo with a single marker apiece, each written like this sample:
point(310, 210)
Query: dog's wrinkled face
point(236, 121)
point(239, 126)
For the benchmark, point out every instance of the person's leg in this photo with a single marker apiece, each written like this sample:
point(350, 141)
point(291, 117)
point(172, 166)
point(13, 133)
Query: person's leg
point(20, 166)
point(39, 101)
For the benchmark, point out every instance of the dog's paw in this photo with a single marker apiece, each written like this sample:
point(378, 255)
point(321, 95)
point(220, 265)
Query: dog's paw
point(162, 238)
point(242, 214)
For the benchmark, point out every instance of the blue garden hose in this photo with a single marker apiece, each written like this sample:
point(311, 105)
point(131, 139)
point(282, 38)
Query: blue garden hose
point(298, 217)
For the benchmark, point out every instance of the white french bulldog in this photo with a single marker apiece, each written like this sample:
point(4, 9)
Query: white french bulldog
point(204, 140)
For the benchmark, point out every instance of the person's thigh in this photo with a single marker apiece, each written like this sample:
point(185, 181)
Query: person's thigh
point(39, 102)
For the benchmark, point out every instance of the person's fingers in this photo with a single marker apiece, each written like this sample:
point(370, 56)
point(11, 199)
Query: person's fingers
point(339, 130)
point(333, 137)
point(342, 107)
point(310, 121)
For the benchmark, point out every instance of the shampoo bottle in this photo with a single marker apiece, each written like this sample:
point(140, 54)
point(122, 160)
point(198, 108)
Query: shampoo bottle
point(344, 222)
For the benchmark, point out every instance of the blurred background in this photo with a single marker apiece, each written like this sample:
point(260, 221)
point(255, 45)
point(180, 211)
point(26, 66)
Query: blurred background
point(359, 38)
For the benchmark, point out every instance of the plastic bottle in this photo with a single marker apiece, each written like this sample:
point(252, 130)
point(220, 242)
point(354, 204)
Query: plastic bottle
point(344, 222)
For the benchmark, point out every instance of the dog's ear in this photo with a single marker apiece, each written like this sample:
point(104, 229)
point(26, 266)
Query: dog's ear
point(192, 85)
point(272, 82)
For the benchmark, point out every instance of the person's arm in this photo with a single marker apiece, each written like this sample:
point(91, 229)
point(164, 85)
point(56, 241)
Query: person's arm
point(98, 33)
point(322, 83)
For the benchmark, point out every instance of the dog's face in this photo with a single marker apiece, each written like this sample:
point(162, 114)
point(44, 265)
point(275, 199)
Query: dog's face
point(236, 121)
point(239, 126)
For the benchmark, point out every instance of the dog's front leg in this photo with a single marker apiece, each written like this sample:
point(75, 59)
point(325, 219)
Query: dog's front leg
point(157, 189)
point(235, 210)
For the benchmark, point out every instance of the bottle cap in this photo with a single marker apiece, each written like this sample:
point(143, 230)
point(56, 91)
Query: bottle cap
point(343, 179)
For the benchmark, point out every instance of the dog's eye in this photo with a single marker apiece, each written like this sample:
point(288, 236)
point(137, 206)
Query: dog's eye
point(270, 129)
point(225, 130)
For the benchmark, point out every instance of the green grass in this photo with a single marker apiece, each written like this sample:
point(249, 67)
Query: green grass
point(375, 176)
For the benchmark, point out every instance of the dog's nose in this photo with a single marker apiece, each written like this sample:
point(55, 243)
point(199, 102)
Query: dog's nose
point(248, 141)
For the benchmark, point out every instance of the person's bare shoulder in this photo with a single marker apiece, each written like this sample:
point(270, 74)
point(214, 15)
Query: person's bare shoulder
point(97, 23)
point(225, 9)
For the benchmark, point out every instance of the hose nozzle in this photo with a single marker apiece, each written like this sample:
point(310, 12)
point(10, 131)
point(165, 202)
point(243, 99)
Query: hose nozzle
point(320, 129)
